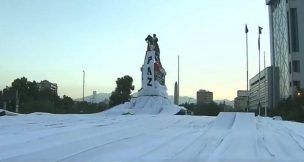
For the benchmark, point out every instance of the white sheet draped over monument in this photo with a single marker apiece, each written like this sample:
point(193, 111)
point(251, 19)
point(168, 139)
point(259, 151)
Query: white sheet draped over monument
point(152, 98)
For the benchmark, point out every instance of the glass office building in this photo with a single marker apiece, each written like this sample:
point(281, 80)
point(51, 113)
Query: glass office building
point(287, 44)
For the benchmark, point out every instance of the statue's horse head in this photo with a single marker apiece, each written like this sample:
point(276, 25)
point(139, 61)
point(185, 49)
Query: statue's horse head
point(149, 39)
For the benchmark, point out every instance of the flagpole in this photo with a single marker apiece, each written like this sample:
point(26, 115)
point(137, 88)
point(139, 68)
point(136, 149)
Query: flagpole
point(259, 104)
point(259, 46)
point(265, 84)
point(246, 31)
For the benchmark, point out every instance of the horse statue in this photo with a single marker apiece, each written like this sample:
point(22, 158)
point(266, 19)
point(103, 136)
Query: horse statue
point(160, 72)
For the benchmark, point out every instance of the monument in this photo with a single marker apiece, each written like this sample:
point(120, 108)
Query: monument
point(152, 98)
point(153, 73)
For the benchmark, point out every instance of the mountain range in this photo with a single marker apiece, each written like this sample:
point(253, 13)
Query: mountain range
point(183, 99)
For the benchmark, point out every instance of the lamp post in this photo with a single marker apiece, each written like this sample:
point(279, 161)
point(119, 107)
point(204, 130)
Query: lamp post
point(83, 85)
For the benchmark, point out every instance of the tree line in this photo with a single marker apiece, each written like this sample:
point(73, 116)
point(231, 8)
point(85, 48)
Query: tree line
point(34, 99)
point(207, 109)
point(291, 108)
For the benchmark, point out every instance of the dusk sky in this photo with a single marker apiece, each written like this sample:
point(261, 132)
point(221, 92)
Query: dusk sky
point(56, 40)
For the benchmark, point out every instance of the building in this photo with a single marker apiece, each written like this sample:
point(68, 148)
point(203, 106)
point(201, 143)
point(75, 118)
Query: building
point(261, 89)
point(240, 102)
point(94, 97)
point(48, 85)
point(287, 44)
point(176, 97)
point(204, 97)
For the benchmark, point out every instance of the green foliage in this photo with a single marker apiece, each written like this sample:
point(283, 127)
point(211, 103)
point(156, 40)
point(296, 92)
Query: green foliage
point(122, 91)
point(211, 109)
point(189, 106)
point(33, 99)
point(290, 109)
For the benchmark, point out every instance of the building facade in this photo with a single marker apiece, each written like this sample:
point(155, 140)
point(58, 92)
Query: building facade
point(204, 97)
point(48, 85)
point(261, 89)
point(240, 102)
point(287, 44)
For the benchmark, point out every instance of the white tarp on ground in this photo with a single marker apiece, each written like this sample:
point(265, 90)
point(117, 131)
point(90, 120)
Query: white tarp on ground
point(145, 105)
point(5, 112)
point(100, 137)
point(149, 101)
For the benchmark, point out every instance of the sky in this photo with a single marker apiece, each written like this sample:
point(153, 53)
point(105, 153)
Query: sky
point(56, 40)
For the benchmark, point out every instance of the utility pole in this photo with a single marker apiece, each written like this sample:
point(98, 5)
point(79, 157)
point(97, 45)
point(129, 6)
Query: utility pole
point(83, 86)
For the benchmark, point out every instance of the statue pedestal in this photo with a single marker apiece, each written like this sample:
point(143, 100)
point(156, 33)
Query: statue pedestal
point(150, 78)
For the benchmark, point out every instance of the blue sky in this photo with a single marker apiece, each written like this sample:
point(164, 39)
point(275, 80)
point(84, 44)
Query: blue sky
point(57, 39)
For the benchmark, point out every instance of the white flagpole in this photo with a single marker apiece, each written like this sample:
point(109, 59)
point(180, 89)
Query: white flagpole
point(259, 45)
point(265, 85)
point(246, 31)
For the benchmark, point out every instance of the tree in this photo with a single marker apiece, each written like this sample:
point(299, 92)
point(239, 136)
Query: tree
point(122, 91)
point(211, 109)
point(189, 106)
point(33, 89)
point(66, 103)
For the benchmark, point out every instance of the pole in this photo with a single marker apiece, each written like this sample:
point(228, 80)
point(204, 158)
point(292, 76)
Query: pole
point(265, 85)
point(247, 107)
point(259, 104)
point(178, 80)
point(83, 85)
point(259, 47)
point(17, 101)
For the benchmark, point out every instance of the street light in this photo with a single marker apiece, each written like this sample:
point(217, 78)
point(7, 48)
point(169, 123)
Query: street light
point(83, 86)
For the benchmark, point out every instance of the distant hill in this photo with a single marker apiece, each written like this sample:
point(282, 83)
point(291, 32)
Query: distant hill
point(183, 99)
point(99, 98)
point(227, 102)
point(105, 96)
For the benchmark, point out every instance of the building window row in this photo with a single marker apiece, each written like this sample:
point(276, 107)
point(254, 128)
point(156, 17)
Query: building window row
point(297, 84)
point(294, 30)
point(296, 66)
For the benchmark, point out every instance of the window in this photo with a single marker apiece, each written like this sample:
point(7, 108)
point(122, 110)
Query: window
point(296, 66)
point(294, 30)
point(296, 84)
point(289, 67)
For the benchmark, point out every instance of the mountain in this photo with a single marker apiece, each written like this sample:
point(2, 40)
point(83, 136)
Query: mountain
point(105, 96)
point(98, 98)
point(182, 99)
point(227, 102)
